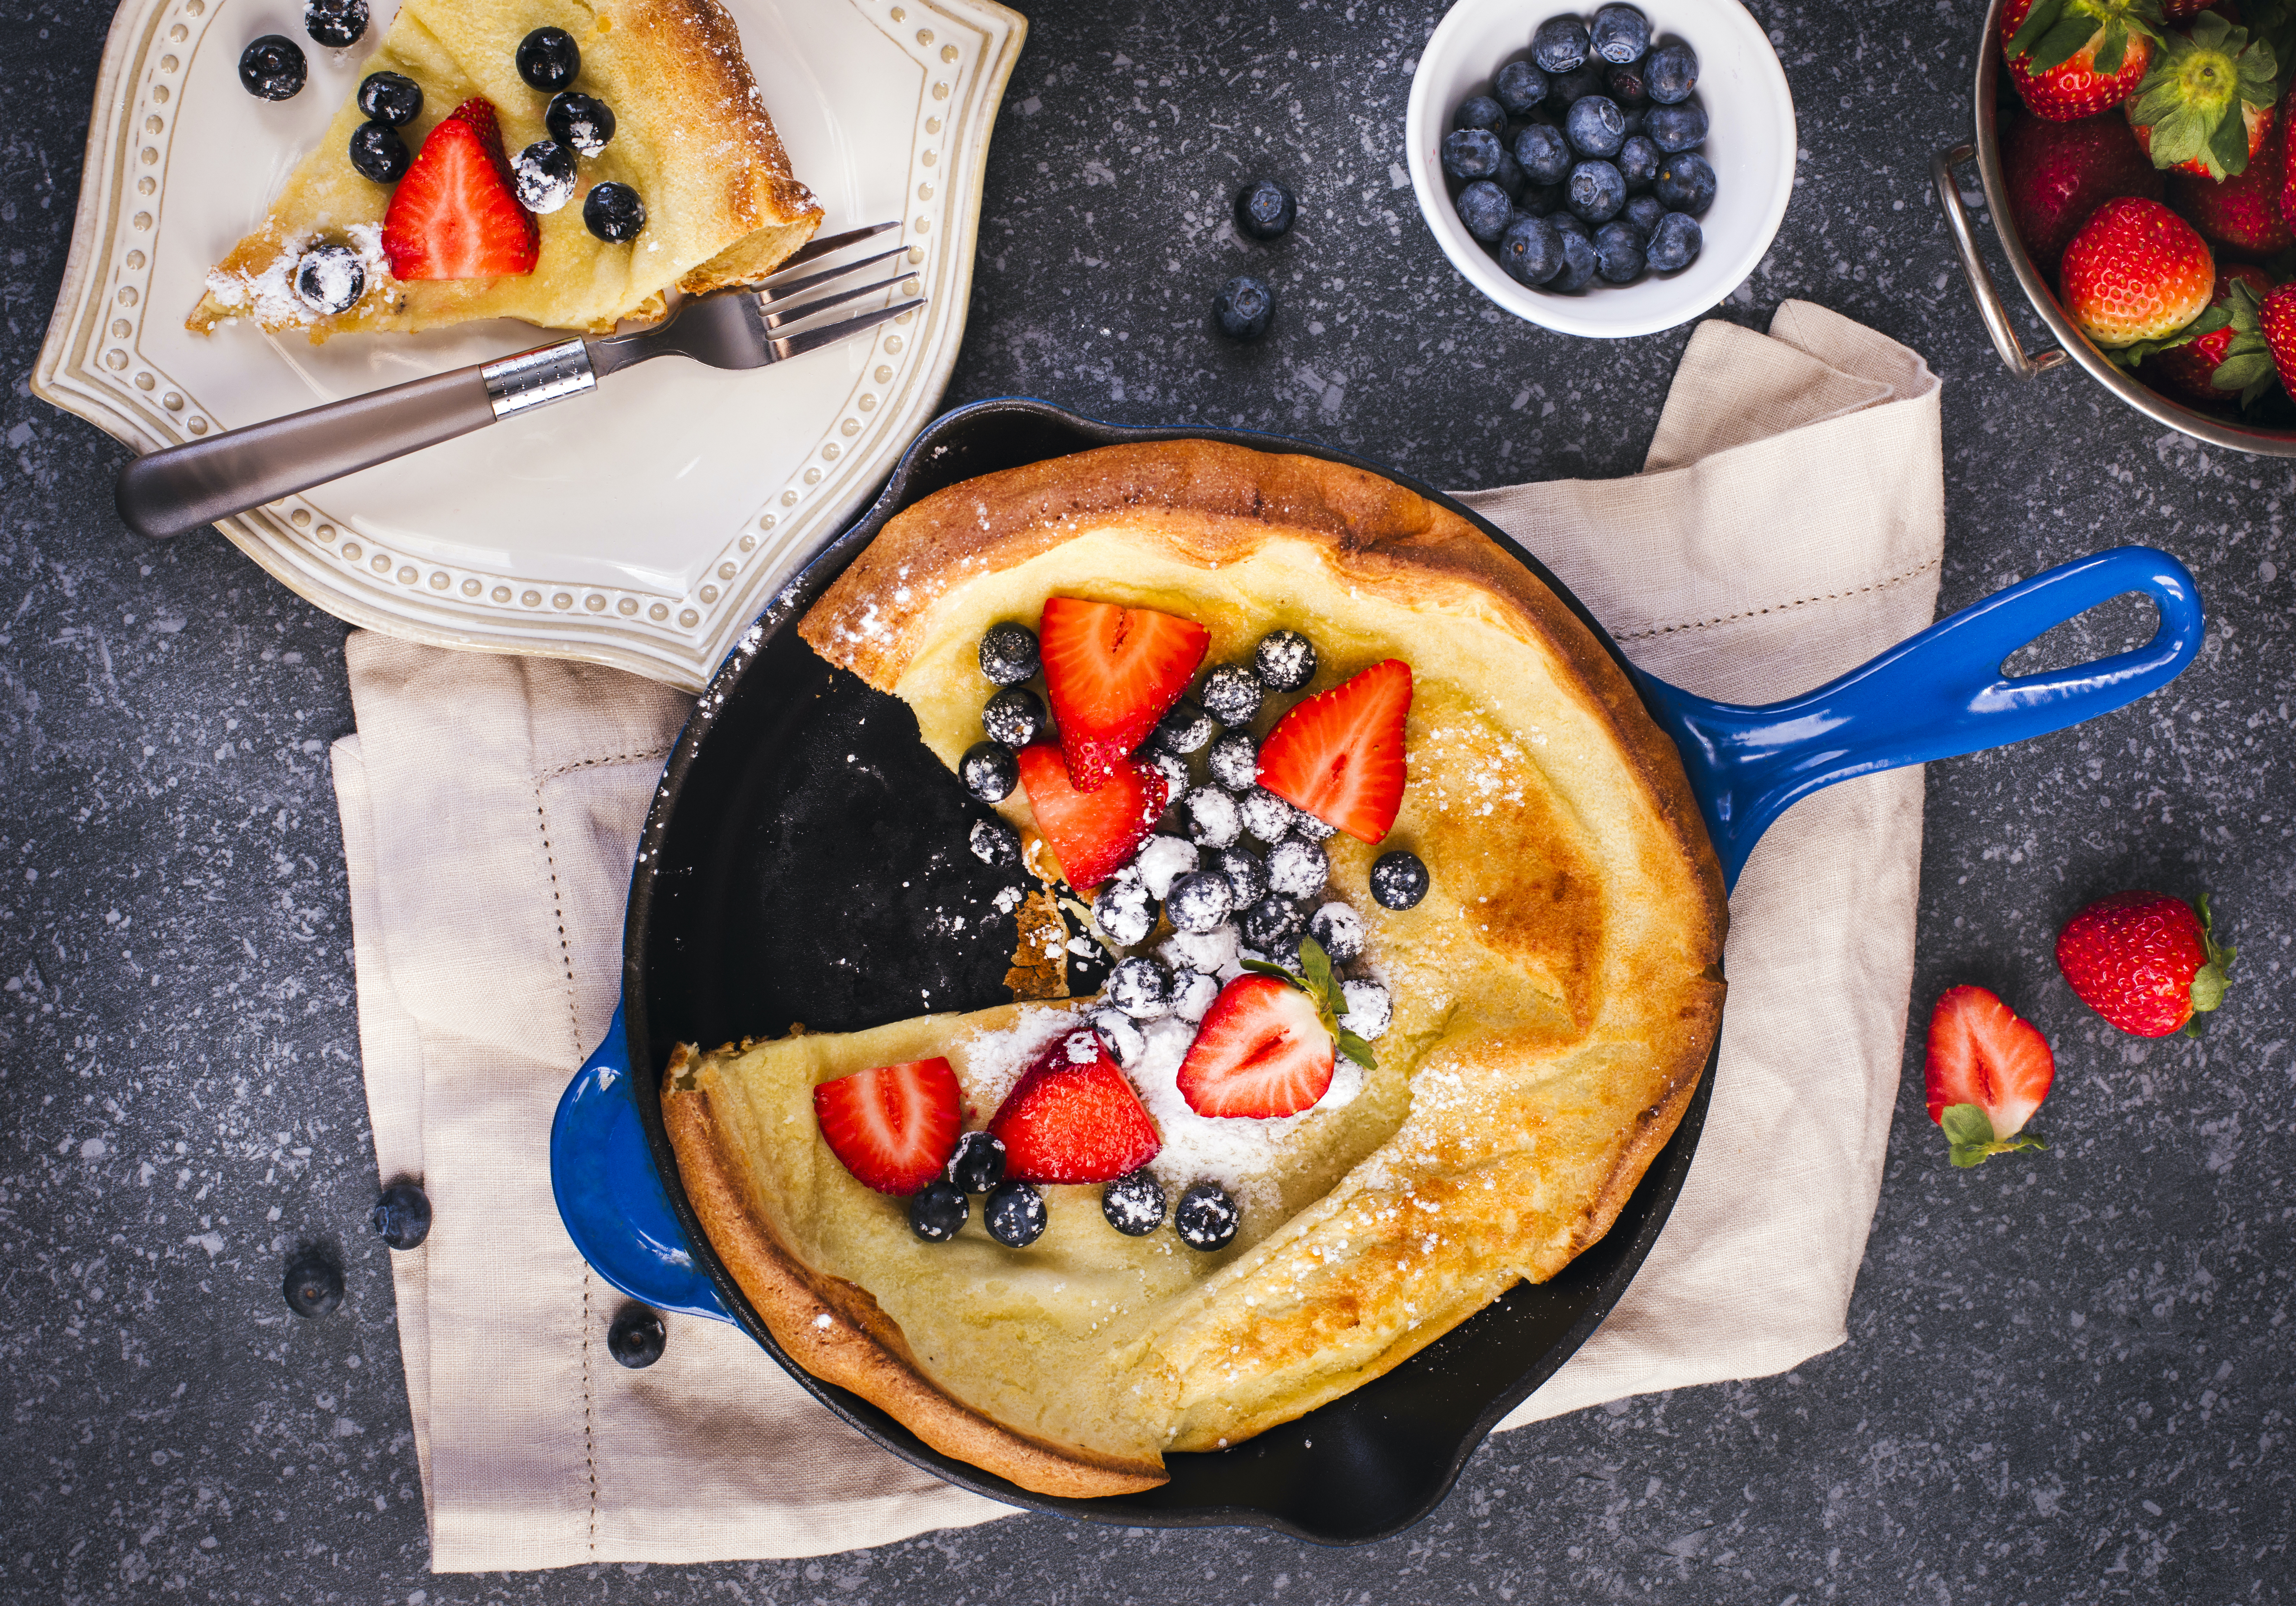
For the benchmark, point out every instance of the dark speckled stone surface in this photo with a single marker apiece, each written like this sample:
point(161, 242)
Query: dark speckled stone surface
point(2068, 1376)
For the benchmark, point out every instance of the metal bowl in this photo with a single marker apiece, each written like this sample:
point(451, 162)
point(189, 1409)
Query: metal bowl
point(2071, 344)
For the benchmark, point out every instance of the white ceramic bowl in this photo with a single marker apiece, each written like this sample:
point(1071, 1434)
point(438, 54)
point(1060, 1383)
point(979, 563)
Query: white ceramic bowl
point(1751, 144)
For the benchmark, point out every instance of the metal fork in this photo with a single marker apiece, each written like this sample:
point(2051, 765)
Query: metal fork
point(171, 492)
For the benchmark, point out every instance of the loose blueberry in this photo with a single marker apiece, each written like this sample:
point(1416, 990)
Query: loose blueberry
point(1398, 879)
point(401, 1217)
point(990, 771)
point(1369, 1010)
point(1170, 766)
point(1643, 211)
point(548, 59)
point(1626, 87)
point(1470, 153)
point(1265, 210)
point(1200, 901)
point(1484, 208)
point(1008, 654)
point(1597, 192)
point(1620, 36)
point(994, 843)
point(583, 121)
point(390, 97)
point(978, 1163)
point(1231, 693)
point(1481, 111)
point(1544, 152)
point(1618, 252)
point(1595, 126)
point(1635, 117)
point(1247, 876)
point(1298, 868)
point(1284, 660)
point(1670, 72)
point(614, 212)
point(1235, 761)
point(1141, 987)
point(273, 69)
point(1162, 860)
point(637, 1337)
point(1685, 184)
point(543, 175)
point(1339, 931)
point(1510, 179)
point(1014, 716)
point(1675, 243)
point(1119, 1034)
point(1530, 252)
point(330, 278)
point(1267, 815)
point(1185, 728)
point(1639, 161)
point(1207, 1218)
point(1014, 1215)
point(1134, 1204)
point(1559, 45)
point(1124, 911)
point(1243, 308)
point(337, 24)
point(1519, 87)
point(937, 1210)
point(1272, 921)
point(1213, 818)
point(314, 1284)
point(1674, 129)
point(1193, 994)
point(377, 152)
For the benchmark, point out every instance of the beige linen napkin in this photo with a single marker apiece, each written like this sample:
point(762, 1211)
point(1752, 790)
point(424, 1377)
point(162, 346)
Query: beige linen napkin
point(1788, 525)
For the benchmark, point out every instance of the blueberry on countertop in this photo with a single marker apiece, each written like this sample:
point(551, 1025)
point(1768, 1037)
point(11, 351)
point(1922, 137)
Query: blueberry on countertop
point(583, 121)
point(337, 24)
point(1298, 868)
point(1519, 87)
point(1470, 153)
point(1213, 818)
point(1559, 43)
point(1267, 815)
point(1597, 190)
point(1275, 920)
point(1008, 654)
point(273, 69)
point(1141, 987)
point(1670, 72)
point(937, 1210)
point(1339, 931)
point(1595, 126)
point(1265, 210)
point(1284, 660)
point(1014, 716)
point(401, 1217)
point(1620, 36)
point(1231, 693)
point(1618, 252)
point(1481, 111)
point(1235, 761)
point(1134, 1204)
point(1202, 900)
point(548, 59)
point(390, 97)
point(1675, 242)
point(1185, 728)
point(1247, 876)
point(1207, 1218)
point(1637, 161)
point(314, 1284)
point(614, 212)
point(990, 771)
point(377, 152)
point(1014, 1215)
point(1485, 209)
point(1243, 308)
point(543, 176)
point(1684, 183)
point(330, 279)
point(1674, 129)
point(1370, 1011)
point(637, 1337)
point(1125, 911)
point(1544, 152)
point(1398, 879)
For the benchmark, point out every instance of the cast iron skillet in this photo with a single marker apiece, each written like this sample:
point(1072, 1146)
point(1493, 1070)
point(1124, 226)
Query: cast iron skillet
point(765, 891)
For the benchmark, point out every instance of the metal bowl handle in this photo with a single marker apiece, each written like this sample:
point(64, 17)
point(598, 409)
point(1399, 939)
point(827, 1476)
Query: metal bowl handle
point(1989, 305)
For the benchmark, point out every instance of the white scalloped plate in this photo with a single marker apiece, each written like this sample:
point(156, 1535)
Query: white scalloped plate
point(643, 526)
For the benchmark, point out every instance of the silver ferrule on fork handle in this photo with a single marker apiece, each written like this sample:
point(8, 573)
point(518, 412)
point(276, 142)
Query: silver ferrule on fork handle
point(536, 378)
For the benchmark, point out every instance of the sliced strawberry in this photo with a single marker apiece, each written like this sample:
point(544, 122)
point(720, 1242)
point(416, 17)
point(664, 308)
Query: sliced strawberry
point(893, 1126)
point(1092, 833)
point(1987, 1072)
point(1338, 754)
point(1073, 1118)
point(453, 216)
point(1263, 1051)
point(1112, 673)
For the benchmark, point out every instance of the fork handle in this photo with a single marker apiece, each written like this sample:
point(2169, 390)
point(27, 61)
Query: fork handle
point(177, 490)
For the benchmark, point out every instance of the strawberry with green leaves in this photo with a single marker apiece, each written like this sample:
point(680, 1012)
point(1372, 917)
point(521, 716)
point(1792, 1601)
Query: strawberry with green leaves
point(1267, 1046)
point(2205, 106)
point(2134, 276)
point(2186, 368)
point(2146, 962)
point(1987, 1072)
point(2060, 173)
point(2262, 351)
point(2075, 57)
point(2241, 217)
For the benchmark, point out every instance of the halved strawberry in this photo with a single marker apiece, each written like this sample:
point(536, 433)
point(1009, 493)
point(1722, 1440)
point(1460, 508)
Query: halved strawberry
point(1112, 673)
point(1262, 1051)
point(1073, 1118)
point(1092, 833)
point(1987, 1072)
point(894, 1127)
point(453, 216)
point(1338, 754)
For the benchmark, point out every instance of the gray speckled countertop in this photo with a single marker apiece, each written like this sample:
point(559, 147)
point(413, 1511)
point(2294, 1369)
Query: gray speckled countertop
point(2068, 1377)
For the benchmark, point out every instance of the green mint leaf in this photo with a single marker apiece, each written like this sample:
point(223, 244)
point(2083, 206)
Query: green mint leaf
point(2038, 22)
point(1965, 1124)
point(1316, 965)
point(1357, 1050)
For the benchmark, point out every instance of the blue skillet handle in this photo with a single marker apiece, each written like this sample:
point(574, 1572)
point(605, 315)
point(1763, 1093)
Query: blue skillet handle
point(1936, 695)
point(609, 1195)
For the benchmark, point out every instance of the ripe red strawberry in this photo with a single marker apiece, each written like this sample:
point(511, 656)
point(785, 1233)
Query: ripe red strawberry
point(2059, 173)
point(2276, 317)
point(453, 216)
point(2075, 57)
point(2256, 356)
point(2144, 961)
point(2136, 271)
point(1073, 1119)
point(1262, 1051)
point(1338, 754)
point(2206, 105)
point(2240, 215)
point(1987, 1072)
point(1112, 673)
point(2187, 371)
point(893, 1126)
point(1092, 833)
